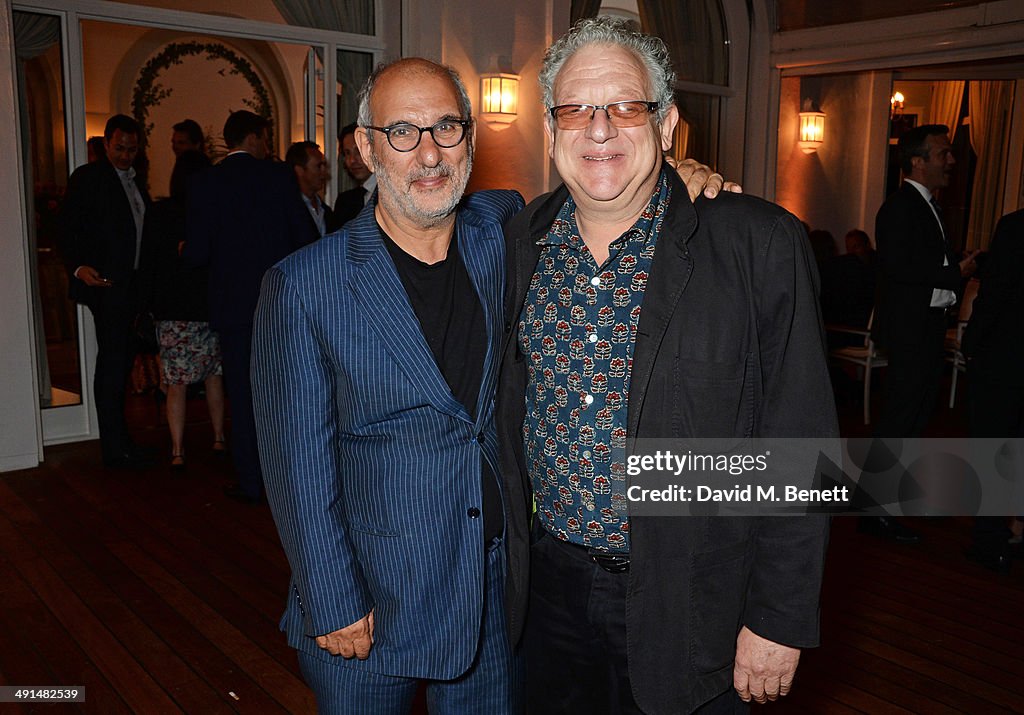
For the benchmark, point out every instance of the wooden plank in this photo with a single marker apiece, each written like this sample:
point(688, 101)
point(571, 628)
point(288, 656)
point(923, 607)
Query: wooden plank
point(111, 594)
point(139, 691)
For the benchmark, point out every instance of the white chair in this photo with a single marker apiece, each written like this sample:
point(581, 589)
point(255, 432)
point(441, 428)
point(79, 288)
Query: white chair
point(865, 357)
point(955, 335)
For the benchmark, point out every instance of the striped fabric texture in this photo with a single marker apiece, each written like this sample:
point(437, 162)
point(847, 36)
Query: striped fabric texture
point(372, 467)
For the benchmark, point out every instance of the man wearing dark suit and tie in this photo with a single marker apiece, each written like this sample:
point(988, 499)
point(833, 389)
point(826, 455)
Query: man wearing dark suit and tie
point(349, 203)
point(243, 216)
point(919, 276)
point(312, 174)
point(101, 228)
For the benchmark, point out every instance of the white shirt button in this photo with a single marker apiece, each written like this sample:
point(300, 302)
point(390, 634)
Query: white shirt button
point(593, 337)
point(589, 399)
point(586, 454)
point(595, 281)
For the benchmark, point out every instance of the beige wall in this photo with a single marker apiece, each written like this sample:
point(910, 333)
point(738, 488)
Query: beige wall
point(841, 185)
point(519, 32)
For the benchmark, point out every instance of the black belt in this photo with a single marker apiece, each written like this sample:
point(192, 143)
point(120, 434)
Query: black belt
point(612, 563)
point(941, 311)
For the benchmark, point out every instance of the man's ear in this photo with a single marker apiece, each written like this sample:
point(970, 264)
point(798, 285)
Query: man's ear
point(362, 138)
point(668, 127)
point(549, 133)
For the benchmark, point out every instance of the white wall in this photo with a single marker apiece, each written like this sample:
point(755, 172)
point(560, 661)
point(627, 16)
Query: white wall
point(20, 431)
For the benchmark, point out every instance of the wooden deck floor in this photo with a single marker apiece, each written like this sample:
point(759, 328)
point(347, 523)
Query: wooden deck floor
point(160, 595)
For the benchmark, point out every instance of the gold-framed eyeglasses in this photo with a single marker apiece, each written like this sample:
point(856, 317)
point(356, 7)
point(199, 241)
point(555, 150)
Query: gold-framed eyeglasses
point(630, 113)
point(404, 136)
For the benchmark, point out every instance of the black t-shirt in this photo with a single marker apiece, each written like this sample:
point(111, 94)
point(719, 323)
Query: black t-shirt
point(452, 320)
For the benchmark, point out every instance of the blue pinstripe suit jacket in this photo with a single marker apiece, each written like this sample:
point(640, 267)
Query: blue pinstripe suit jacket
point(370, 463)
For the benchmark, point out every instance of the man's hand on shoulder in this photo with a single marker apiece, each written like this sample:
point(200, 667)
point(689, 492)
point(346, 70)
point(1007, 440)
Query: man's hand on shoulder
point(351, 641)
point(764, 669)
point(699, 177)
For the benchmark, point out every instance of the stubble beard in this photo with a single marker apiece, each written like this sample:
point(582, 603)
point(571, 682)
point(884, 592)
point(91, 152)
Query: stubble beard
point(404, 200)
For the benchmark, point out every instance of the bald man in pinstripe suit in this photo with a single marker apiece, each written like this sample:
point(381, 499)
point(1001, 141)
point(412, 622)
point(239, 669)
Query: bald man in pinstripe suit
point(375, 359)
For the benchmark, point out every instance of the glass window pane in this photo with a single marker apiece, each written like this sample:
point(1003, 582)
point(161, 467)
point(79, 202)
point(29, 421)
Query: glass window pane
point(696, 135)
point(38, 40)
point(696, 36)
point(353, 69)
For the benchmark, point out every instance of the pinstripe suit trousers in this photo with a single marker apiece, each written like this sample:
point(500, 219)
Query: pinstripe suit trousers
point(493, 685)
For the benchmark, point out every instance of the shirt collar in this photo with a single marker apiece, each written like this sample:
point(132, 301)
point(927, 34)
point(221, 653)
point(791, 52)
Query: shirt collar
point(126, 174)
point(564, 227)
point(920, 188)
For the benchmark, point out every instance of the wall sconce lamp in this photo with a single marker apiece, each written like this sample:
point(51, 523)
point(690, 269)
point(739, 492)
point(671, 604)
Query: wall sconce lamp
point(896, 102)
point(499, 99)
point(812, 129)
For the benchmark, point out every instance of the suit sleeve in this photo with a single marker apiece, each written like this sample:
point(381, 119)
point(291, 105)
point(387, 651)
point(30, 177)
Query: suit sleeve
point(293, 388)
point(789, 552)
point(898, 234)
point(74, 218)
point(497, 206)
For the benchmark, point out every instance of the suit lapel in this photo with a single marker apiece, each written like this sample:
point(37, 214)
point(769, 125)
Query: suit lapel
point(481, 250)
point(670, 274)
point(386, 308)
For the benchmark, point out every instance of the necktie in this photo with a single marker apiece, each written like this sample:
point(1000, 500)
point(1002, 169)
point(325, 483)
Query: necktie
point(938, 214)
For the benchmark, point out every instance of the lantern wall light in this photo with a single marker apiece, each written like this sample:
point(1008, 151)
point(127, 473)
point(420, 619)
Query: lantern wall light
point(499, 99)
point(812, 128)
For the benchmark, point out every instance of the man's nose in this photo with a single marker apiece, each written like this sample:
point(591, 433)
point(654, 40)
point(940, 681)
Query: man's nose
point(601, 128)
point(428, 151)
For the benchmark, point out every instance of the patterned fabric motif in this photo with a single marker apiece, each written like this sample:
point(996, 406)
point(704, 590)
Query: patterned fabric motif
point(189, 351)
point(577, 329)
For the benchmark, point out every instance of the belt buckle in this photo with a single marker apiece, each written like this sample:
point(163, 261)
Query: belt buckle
point(612, 563)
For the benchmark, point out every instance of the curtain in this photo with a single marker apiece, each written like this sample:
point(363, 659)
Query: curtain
point(583, 8)
point(33, 35)
point(354, 16)
point(695, 35)
point(989, 106)
point(945, 107)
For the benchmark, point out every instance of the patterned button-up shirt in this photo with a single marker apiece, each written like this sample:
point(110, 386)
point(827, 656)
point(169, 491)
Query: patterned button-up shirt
point(577, 330)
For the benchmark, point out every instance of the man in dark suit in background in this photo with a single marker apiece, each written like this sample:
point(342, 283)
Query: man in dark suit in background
point(312, 173)
point(632, 313)
point(994, 343)
point(243, 216)
point(919, 276)
point(101, 228)
point(350, 203)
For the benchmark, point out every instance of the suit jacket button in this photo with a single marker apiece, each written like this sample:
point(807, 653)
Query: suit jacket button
point(473, 512)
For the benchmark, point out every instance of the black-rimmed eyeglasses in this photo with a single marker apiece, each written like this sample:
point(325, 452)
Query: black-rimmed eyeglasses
point(631, 113)
point(447, 133)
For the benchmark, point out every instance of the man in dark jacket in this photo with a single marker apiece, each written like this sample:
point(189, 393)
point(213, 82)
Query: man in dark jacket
point(243, 216)
point(101, 229)
point(918, 282)
point(633, 313)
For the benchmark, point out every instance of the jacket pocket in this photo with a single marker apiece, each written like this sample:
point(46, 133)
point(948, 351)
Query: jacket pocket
point(712, 399)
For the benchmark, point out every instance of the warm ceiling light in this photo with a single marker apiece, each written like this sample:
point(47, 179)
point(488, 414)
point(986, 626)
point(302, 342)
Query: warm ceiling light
point(499, 99)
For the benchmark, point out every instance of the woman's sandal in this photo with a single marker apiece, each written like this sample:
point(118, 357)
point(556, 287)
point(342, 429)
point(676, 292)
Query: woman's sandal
point(177, 462)
point(220, 448)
